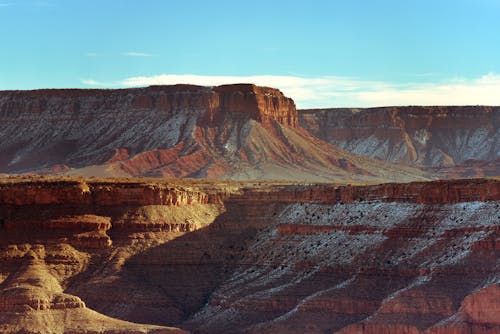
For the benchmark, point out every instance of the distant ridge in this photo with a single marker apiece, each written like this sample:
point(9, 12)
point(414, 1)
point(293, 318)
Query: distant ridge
point(444, 141)
point(239, 131)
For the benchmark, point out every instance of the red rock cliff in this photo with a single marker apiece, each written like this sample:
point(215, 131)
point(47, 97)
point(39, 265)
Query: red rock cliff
point(260, 103)
point(179, 130)
point(231, 131)
point(434, 138)
point(229, 257)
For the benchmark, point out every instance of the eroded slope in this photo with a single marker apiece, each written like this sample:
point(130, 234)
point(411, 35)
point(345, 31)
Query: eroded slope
point(450, 141)
point(229, 257)
point(226, 132)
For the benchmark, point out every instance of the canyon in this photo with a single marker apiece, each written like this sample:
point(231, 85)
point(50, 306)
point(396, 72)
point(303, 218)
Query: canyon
point(191, 209)
point(165, 256)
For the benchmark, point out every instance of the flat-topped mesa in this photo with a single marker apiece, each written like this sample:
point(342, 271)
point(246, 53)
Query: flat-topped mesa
point(423, 136)
point(260, 103)
point(82, 103)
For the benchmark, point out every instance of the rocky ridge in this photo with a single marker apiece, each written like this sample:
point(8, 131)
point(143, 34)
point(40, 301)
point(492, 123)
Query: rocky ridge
point(272, 257)
point(447, 141)
point(230, 132)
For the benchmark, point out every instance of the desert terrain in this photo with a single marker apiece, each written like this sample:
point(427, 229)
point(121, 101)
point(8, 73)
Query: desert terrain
point(177, 209)
point(108, 256)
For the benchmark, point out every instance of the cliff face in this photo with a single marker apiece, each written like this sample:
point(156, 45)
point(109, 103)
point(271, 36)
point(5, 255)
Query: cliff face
point(389, 258)
point(229, 132)
point(59, 238)
point(52, 130)
point(238, 132)
point(261, 103)
point(449, 141)
point(216, 257)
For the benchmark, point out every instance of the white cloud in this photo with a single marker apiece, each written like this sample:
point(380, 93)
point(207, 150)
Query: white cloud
point(336, 91)
point(91, 82)
point(483, 90)
point(136, 54)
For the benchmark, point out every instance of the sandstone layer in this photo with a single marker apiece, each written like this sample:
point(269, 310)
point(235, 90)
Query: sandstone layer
point(448, 142)
point(103, 256)
point(226, 132)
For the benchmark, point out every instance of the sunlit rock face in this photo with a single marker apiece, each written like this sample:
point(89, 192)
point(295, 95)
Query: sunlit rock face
point(227, 132)
point(53, 130)
point(106, 256)
point(448, 141)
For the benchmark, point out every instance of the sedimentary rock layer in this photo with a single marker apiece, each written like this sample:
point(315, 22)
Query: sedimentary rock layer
point(228, 257)
point(230, 132)
point(450, 141)
point(52, 131)
point(261, 103)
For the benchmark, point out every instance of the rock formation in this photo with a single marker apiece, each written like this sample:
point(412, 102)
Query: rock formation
point(230, 132)
point(238, 132)
point(154, 255)
point(448, 142)
point(102, 256)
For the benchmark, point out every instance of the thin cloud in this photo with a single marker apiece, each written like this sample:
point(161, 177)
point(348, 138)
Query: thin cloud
point(4, 4)
point(92, 82)
point(483, 90)
point(336, 91)
point(137, 54)
point(91, 54)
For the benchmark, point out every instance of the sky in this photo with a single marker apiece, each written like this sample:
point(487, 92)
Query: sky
point(331, 53)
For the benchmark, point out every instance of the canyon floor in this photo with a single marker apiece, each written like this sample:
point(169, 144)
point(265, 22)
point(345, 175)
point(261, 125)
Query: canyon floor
point(172, 256)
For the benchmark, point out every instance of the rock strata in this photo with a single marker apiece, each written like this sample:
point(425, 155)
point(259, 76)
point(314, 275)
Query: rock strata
point(450, 141)
point(243, 257)
point(238, 131)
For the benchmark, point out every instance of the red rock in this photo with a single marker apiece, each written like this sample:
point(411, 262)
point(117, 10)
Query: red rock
point(228, 132)
point(483, 306)
point(261, 103)
point(447, 141)
point(258, 257)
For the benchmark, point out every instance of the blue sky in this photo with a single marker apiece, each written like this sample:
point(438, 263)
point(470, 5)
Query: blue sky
point(322, 53)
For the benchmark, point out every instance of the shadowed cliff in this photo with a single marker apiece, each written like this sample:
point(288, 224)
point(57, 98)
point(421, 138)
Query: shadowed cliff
point(243, 257)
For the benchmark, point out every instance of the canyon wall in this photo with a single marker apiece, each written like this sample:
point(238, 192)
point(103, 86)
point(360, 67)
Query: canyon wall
point(262, 103)
point(391, 258)
point(449, 141)
point(227, 132)
point(242, 257)
point(54, 130)
point(239, 131)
